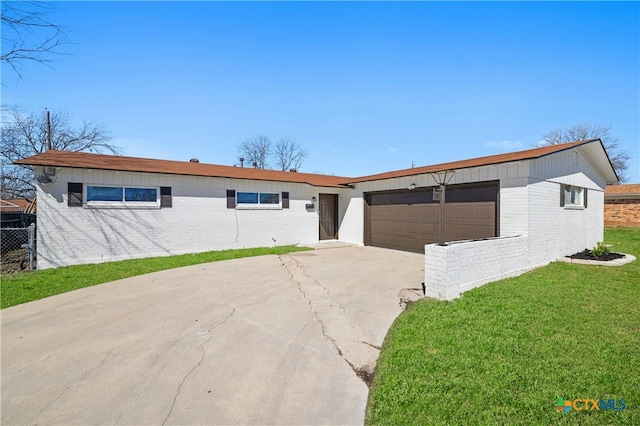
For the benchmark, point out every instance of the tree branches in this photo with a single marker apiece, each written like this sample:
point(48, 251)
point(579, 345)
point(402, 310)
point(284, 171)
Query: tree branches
point(27, 35)
point(289, 154)
point(584, 131)
point(25, 134)
point(286, 155)
point(256, 151)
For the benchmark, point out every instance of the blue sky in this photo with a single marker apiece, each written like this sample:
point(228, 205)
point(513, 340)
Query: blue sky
point(364, 87)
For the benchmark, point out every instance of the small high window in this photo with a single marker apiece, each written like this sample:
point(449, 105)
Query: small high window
point(121, 195)
point(573, 197)
point(258, 198)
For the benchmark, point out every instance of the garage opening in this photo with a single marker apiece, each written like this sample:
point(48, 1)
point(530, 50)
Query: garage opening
point(409, 219)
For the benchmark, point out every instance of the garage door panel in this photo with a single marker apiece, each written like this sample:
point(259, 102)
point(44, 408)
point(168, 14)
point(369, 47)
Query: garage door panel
point(485, 210)
point(405, 220)
point(484, 231)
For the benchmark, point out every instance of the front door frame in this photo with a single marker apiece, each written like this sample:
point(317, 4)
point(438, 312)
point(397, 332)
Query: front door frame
point(334, 213)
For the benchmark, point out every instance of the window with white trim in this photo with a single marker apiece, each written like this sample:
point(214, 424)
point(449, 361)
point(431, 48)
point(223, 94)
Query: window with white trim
point(572, 196)
point(258, 198)
point(122, 195)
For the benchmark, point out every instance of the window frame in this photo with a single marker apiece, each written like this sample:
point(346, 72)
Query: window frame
point(259, 205)
point(579, 199)
point(122, 203)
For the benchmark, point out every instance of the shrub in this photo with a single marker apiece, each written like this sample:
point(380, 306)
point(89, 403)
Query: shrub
point(600, 249)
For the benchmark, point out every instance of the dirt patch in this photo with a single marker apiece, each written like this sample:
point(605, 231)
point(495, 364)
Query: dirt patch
point(15, 261)
point(586, 255)
point(366, 376)
point(11, 262)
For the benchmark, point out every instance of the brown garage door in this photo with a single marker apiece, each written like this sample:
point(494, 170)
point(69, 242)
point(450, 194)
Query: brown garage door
point(407, 220)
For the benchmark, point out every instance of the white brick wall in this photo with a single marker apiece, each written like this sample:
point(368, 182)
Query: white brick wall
point(198, 221)
point(352, 213)
point(530, 207)
point(556, 231)
point(458, 267)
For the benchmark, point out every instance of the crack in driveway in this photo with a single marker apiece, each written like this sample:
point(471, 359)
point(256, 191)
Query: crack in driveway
point(184, 379)
point(351, 342)
point(203, 352)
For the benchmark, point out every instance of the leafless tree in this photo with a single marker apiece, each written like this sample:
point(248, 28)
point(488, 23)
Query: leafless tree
point(579, 132)
point(256, 151)
point(289, 154)
point(25, 134)
point(27, 35)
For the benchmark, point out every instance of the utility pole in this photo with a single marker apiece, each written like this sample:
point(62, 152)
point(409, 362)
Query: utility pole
point(48, 130)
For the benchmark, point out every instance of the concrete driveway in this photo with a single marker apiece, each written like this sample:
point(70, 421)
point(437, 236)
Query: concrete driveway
point(265, 340)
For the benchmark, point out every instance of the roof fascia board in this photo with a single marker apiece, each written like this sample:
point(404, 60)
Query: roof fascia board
point(115, 169)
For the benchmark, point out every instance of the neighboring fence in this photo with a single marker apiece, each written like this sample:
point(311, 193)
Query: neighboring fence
point(16, 219)
point(18, 248)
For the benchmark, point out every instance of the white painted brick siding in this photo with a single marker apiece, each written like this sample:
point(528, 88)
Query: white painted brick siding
point(556, 231)
point(529, 207)
point(198, 221)
point(455, 268)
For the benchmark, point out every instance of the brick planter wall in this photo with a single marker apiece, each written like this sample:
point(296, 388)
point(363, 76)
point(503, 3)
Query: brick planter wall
point(461, 266)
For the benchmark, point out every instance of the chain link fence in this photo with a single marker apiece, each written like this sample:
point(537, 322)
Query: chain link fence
point(18, 248)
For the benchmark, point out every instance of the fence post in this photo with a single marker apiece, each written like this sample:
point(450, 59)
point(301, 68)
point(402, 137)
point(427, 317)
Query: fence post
point(32, 244)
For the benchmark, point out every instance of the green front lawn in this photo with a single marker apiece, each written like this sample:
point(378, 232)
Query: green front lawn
point(27, 286)
point(503, 353)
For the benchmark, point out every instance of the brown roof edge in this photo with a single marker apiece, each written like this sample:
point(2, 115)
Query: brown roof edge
point(476, 162)
point(622, 190)
point(86, 160)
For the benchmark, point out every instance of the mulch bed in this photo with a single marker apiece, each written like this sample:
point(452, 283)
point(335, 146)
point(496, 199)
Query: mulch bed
point(586, 255)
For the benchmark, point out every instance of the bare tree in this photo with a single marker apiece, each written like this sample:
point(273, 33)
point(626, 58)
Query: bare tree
point(25, 134)
point(289, 154)
point(579, 132)
point(256, 151)
point(27, 35)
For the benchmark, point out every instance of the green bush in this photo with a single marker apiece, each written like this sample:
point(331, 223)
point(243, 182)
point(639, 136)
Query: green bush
point(600, 249)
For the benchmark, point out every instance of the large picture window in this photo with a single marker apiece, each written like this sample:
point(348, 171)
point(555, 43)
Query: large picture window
point(122, 195)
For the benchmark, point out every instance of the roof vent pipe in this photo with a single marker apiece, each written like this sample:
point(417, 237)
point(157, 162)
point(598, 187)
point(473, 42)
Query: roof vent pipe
point(194, 160)
point(292, 170)
point(255, 165)
point(241, 161)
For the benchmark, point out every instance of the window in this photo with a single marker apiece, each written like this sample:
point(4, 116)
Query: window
point(258, 198)
point(148, 195)
point(269, 198)
point(573, 196)
point(122, 196)
point(247, 198)
point(104, 193)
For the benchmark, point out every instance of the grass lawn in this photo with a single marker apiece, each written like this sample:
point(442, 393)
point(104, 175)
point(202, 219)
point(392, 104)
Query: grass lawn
point(27, 286)
point(503, 353)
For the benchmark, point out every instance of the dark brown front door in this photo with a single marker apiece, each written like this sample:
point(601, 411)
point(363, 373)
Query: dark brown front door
point(328, 210)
